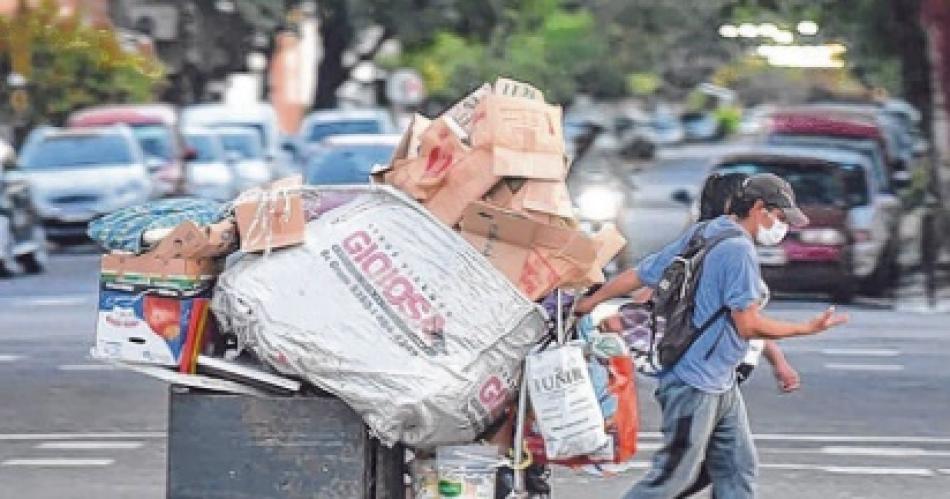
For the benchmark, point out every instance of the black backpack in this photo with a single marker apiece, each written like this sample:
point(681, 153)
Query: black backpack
point(674, 302)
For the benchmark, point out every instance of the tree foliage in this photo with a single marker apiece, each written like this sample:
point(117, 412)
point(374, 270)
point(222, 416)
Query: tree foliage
point(68, 64)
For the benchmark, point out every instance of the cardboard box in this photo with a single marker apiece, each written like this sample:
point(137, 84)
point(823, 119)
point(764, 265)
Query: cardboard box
point(524, 136)
point(609, 244)
point(512, 88)
point(536, 256)
point(188, 240)
point(544, 200)
point(463, 111)
point(408, 148)
point(143, 327)
point(440, 149)
point(271, 217)
point(174, 276)
point(467, 181)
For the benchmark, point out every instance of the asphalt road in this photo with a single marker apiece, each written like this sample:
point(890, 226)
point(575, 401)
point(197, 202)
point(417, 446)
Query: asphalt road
point(872, 420)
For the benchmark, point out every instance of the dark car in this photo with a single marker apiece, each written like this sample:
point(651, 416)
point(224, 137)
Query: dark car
point(22, 239)
point(816, 258)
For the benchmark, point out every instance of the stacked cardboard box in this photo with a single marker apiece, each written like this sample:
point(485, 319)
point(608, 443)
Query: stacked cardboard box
point(493, 166)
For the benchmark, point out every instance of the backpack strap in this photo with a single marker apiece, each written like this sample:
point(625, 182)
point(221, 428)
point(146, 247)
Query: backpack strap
point(724, 310)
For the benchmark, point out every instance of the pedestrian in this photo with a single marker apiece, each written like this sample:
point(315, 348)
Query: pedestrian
point(703, 415)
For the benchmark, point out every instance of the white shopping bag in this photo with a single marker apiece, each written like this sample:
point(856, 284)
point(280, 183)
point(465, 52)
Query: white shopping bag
point(564, 403)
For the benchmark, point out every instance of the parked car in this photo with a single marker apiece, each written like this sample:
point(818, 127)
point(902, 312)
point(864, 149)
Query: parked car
point(700, 126)
point(210, 175)
point(874, 215)
point(667, 130)
point(78, 174)
point(258, 117)
point(22, 239)
point(243, 149)
point(869, 148)
point(819, 257)
point(156, 127)
point(349, 159)
point(320, 125)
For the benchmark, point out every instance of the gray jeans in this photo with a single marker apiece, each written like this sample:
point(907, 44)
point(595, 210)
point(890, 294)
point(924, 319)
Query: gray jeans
point(700, 427)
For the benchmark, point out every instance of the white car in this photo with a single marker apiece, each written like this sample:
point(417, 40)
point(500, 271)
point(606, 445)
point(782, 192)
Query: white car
point(244, 151)
point(319, 125)
point(209, 175)
point(78, 174)
point(258, 117)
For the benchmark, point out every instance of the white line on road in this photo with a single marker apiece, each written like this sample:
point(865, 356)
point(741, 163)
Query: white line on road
point(9, 358)
point(850, 470)
point(865, 367)
point(81, 445)
point(862, 352)
point(866, 439)
point(57, 462)
point(882, 452)
point(51, 301)
point(945, 471)
point(26, 437)
point(87, 367)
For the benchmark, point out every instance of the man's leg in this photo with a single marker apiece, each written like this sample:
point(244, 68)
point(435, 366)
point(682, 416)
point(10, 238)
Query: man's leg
point(689, 416)
point(731, 457)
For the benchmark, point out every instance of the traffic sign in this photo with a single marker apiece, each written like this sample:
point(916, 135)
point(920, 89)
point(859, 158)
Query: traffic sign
point(405, 87)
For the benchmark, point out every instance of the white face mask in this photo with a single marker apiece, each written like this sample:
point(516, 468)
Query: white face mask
point(773, 235)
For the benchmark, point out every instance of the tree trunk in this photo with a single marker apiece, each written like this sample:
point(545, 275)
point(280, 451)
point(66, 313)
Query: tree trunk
point(911, 41)
point(336, 33)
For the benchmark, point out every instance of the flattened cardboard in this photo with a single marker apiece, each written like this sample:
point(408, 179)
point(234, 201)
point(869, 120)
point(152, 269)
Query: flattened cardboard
point(524, 136)
point(609, 242)
point(548, 196)
point(512, 88)
point(408, 148)
point(537, 257)
point(271, 217)
point(188, 240)
point(463, 111)
point(440, 149)
point(467, 181)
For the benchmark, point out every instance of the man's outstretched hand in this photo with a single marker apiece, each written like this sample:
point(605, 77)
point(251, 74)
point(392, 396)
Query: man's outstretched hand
point(827, 320)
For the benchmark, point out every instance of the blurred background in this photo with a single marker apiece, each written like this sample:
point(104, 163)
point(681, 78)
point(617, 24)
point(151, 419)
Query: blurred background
point(106, 104)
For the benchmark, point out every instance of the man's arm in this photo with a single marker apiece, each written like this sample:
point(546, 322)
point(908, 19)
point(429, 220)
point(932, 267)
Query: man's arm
point(785, 374)
point(621, 285)
point(751, 323)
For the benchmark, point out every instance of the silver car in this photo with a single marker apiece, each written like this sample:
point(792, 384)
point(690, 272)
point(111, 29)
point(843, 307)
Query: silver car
point(245, 153)
point(209, 175)
point(79, 174)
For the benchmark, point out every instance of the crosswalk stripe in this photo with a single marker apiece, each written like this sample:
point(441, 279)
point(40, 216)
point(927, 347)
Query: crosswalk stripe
point(87, 367)
point(86, 445)
point(865, 367)
point(27, 437)
point(9, 358)
point(866, 439)
point(861, 352)
point(57, 462)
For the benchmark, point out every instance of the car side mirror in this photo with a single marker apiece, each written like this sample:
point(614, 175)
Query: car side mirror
point(190, 154)
point(682, 196)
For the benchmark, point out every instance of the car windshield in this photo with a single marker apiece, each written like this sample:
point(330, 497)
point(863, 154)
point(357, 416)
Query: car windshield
point(204, 146)
point(248, 146)
point(320, 131)
point(61, 152)
point(812, 186)
point(347, 165)
point(155, 140)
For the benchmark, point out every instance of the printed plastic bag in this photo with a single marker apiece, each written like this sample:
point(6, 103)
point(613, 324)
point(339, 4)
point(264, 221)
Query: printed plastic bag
point(612, 376)
point(564, 403)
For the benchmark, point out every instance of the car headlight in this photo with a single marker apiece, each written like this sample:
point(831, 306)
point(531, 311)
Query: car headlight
point(599, 203)
point(824, 237)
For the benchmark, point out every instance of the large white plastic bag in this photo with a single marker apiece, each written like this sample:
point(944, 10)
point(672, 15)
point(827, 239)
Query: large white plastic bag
point(311, 311)
point(565, 406)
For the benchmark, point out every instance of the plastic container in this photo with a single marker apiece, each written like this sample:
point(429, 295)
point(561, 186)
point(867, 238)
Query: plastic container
point(467, 471)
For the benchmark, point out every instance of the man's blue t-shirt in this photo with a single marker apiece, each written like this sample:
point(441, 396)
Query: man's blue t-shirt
point(730, 277)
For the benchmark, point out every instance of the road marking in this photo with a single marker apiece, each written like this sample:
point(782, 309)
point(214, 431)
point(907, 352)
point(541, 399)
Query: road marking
point(882, 452)
point(81, 436)
point(87, 367)
point(862, 352)
point(945, 471)
point(850, 470)
point(57, 462)
point(50, 301)
point(865, 439)
point(81, 445)
point(865, 367)
point(4, 358)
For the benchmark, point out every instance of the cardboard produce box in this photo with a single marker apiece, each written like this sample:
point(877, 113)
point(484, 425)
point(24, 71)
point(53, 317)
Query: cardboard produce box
point(536, 256)
point(147, 328)
point(271, 217)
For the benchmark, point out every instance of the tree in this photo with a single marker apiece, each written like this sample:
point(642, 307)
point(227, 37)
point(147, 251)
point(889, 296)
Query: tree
point(68, 65)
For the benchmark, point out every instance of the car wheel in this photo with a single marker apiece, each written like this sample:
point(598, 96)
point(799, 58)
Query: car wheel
point(35, 262)
point(884, 276)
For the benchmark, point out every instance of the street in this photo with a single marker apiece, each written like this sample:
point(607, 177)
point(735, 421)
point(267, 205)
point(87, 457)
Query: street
point(869, 422)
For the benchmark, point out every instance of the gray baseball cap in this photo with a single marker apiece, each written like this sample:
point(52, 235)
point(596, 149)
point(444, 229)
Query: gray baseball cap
point(775, 191)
